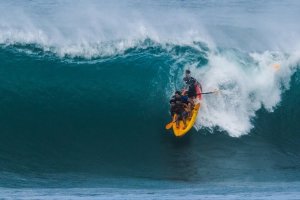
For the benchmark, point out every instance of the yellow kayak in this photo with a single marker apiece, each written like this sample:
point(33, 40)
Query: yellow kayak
point(180, 131)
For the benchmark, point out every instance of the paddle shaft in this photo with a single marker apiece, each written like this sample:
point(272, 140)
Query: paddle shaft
point(206, 93)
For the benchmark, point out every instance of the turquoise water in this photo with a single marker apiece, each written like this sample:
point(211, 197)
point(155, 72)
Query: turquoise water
point(84, 100)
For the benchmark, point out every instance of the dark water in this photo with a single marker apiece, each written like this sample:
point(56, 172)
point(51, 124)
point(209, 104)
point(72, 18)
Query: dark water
point(91, 115)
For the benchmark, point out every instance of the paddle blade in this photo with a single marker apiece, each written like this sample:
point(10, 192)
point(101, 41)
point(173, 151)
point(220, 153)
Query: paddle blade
point(169, 125)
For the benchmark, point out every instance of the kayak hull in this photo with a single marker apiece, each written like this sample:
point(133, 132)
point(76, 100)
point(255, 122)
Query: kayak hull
point(181, 131)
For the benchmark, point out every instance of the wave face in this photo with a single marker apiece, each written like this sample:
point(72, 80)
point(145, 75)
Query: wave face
point(85, 87)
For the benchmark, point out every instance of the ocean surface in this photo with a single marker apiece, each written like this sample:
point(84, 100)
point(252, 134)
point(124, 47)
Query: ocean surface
point(85, 88)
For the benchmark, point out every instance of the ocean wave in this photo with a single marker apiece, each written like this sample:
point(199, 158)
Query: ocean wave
point(222, 53)
point(247, 81)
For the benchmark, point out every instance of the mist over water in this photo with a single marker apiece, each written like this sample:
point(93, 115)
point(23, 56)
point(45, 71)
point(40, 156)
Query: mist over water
point(79, 27)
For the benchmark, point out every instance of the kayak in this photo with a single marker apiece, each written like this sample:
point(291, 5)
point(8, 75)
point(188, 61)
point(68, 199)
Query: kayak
point(180, 131)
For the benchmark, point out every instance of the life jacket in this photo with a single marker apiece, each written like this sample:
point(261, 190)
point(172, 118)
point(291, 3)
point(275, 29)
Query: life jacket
point(185, 99)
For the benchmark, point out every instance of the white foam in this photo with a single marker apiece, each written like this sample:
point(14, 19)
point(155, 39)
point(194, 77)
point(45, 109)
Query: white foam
point(90, 29)
point(245, 88)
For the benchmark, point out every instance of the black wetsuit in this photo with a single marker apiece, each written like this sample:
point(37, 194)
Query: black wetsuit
point(191, 82)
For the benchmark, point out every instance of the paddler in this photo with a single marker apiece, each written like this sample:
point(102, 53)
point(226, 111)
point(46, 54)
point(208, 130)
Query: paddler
point(183, 98)
point(191, 83)
point(177, 96)
point(189, 102)
point(179, 108)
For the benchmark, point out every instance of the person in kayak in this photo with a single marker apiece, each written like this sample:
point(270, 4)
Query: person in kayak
point(191, 84)
point(177, 96)
point(183, 98)
point(189, 102)
point(178, 108)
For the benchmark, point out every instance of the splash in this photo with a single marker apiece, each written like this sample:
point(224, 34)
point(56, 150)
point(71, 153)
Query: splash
point(247, 82)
